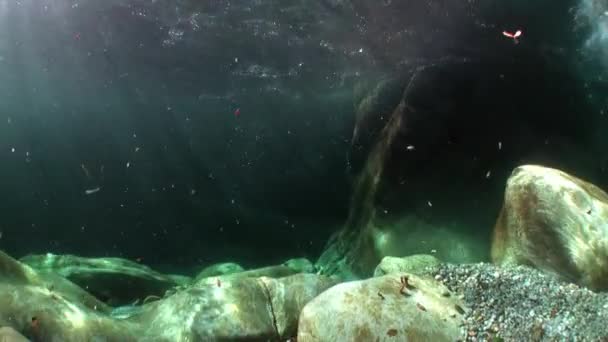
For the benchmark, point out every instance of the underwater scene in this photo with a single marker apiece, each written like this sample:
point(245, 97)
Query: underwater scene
point(303, 170)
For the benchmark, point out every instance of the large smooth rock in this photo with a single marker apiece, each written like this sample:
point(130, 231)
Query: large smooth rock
point(8, 334)
point(219, 269)
point(289, 295)
point(114, 280)
point(18, 274)
point(300, 265)
point(232, 309)
point(47, 307)
point(555, 222)
point(376, 310)
point(418, 264)
point(276, 271)
point(289, 267)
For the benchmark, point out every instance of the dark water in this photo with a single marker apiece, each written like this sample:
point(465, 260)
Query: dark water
point(140, 100)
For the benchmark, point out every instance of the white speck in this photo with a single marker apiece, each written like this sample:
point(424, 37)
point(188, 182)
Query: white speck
point(136, 149)
point(134, 135)
point(237, 221)
point(232, 201)
point(429, 203)
point(128, 164)
point(488, 174)
point(606, 13)
point(27, 154)
point(499, 145)
point(300, 64)
point(92, 191)
point(9, 120)
point(236, 59)
point(82, 228)
point(192, 192)
point(361, 50)
point(13, 150)
point(385, 211)
point(410, 147)
point(433, 251)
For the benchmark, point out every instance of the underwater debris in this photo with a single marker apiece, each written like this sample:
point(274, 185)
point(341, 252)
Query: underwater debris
point(419, 306)
point(92, 191)
point(513, 36)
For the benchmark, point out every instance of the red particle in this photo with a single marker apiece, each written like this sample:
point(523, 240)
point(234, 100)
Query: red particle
point(515, 35)
point(237, 112)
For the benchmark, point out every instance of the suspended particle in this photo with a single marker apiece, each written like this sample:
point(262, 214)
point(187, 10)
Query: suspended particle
point(92, 191)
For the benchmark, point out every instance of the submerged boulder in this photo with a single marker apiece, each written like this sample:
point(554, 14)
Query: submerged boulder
point(47, 307)
point(43, 306)
point(289, 267)
point(8, 334)
point(418, 264)
point(402, 306)
point(300, 265)
point(116, 281)
point(219, 269)
point(276, 271)
point(555, 222)
point(231, 309)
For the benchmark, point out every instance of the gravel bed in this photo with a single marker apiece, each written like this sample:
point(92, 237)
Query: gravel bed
point(522, 304)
